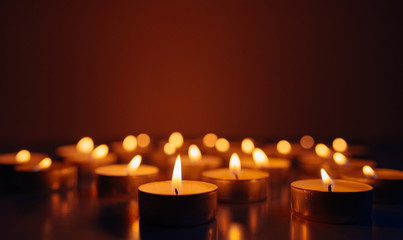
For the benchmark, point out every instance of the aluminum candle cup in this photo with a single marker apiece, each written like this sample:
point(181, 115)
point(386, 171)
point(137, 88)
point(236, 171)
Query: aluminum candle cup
point(196, 205)
point(348, 202)
point(388, 188)
point(193, 171)
point(58, 176)
point(113, 180)
point(251, 185)
point(278, 168)
point(86, 165)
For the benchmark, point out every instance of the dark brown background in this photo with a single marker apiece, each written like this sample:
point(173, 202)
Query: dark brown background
point(259, 68)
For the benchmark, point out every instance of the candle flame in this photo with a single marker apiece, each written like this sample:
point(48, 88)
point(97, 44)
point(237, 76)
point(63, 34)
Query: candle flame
point(369, 172)
point(247, 145)
point(340, 159)
point(235, 165)
point(194, 154)
point(85, 145)
point(100, 152)
point(169, 148)
point(23, 156)
point(43, 164)
point(326, 180)
point(307, 142)
point(222, 145)
point(322, 150)
point(284, 147)
point(143, 140)
point(176, 139)
point(176, 184)
point(133, 165)
point(339, 144)
point(129, 143)
point(209, 140)
point(260, 158)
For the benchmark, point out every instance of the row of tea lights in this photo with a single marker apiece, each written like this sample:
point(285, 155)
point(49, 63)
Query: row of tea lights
point(192, 202)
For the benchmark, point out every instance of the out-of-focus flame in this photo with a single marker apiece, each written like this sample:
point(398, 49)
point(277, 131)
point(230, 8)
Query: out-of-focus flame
point(176, 139)
point(133, 165)
point(322, 150)
point(43, 164)
point(129, 143)
point(209, 140)
point(143, 140)
point(260, 158)
point(100, 152)
point(247, 145)
point(284, 147)
point(23, 156)
point(339, 144)
point(369, 172)
point(176, 183)
point(194, 154)
point(85, 145)
point(235, 231)
point(326, 180)
point(340, 159)
point(222, 145)
point(307, 142)
point(235, 165)
point(169, 148)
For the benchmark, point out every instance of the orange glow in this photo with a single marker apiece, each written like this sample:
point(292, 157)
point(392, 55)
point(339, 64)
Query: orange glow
point(43, 164)
point(100, 152)
point(326, 180)
point(133, 165)
point(260, 158)
point(129, 143)
point(307, 142)
point(247, 145)
point(23, 156)
point(284, 147)
point(176, 184)
point(169, 148)
point(176, 139)
point(322, 150)
point(369, 172)
point(235, 165)
point(85, 145)
point(143, 140)
point(235, 231)
point(340, 159)
point(339, 144)
point(209, 140)
point(222, 145)
point(194, 154)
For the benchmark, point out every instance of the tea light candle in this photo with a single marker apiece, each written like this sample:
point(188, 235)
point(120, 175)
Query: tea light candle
point(124, 179)
point(387, 183)
point(129, 147)
point(177, 202)
point(45, 175)
point(236, 185)
point(83, 148)
point(331, 201)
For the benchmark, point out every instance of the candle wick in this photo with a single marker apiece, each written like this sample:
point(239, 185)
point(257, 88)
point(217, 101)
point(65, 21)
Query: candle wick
point(329, 188)
point(176, 191)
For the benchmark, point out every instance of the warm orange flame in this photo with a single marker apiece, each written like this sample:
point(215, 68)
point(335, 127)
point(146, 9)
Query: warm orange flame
point(176, 139)
point(209, 140)
point(284, 147)
point(339, 144)
point(322, 150)
point(307, 142)
point(369, 172)
point(176, 184)
point(169, 148)
point(222, 145)
point(260, 158)
point(235, 165)
point(194, 154)
point(85, 145)
point(326, 180)
point(23, 156)
point(340, 159)
point(129, 143)
point(143, 140)
point(133, 165)
point(100, 152)
point(247, 145)
point(43, 164)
